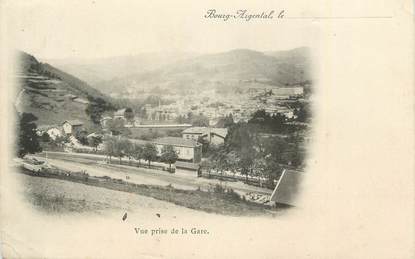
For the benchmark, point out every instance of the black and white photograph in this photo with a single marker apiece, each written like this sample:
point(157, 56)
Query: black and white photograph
point(203, 132)
point(223, 127)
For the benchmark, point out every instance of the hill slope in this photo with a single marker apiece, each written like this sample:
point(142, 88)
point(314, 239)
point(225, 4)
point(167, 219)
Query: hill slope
point(51, 94)
point(94, 71)
point(241, 67)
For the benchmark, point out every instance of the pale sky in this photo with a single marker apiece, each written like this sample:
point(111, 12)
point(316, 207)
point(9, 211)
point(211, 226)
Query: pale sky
point(89, 29)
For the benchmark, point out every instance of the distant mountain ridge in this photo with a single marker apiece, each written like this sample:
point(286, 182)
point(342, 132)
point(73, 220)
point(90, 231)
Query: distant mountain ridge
point(94, 71)
point(187, 71)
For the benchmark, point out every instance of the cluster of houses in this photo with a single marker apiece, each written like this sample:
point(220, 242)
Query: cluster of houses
point(68, 127)
point(188, 146)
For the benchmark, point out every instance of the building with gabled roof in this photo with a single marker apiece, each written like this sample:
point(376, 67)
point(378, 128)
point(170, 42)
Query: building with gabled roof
point(72, 126)
point(212, 135)
point(124, 114)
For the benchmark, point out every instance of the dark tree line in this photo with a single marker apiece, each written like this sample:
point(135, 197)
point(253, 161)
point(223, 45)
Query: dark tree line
point(258, 148)
point(122, 147)
point(97, 107)
point(28, 140)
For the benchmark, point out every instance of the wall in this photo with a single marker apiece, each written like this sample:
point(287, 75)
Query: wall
point(191, 136)
point(67, 128)
point(184, 153)
point(214, 139)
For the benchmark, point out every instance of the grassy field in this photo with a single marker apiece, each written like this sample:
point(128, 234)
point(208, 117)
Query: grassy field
point(217, 200)
point(55, 196)
point(153, 133)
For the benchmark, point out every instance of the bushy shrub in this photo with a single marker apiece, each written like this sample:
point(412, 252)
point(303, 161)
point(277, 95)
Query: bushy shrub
point(218, 189)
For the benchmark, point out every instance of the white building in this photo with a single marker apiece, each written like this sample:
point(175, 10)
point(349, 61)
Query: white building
point(72, 126)
point(188, 150)
point(104, 121)
point(52, 130)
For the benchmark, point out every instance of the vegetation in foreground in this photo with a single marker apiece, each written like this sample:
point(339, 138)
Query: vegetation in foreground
point(218, 199)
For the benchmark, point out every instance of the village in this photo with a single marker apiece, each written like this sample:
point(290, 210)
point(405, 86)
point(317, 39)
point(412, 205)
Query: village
point(160, 125)
point(157, 140)
point(238, 140)
point(163, 139)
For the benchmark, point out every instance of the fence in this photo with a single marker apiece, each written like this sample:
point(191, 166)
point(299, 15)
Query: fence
point(233, 178)
point(135, 163)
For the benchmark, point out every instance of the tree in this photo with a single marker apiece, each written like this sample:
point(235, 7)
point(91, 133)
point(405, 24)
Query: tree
point(220, 160)
point(241, 135)
point(27, 141)
point(296, 155)
point(268, 123)
point(182, 119)
point(81, 137)
point(94, 141)
point(246, 161)
point(45, 137)
point(258, 168)
point(116, 126)
point(110, 147)
point(199, 120)
point(169, 155)
point(138, 153)
point(59, 141)
point(149, 153)
point(225, 122)
point(276, 148)
point(205, 145)
point(302, 111)
point(207, 165)
point(129, 149)
point(96, 107)
point(129, 114)
point(242, 143)
point(143, 112)
point(121, 147)
point(272, 171)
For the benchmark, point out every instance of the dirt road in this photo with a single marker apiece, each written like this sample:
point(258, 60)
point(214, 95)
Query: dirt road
point(180, 180)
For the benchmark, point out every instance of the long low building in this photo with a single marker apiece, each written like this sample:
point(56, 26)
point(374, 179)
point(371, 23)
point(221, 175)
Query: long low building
point(187, 150)
point(160, 126)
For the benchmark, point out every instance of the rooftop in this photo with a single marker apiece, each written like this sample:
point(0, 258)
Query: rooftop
point(47, 127)
point(205, 130)
point(175, 141)
point(120, 112)
point(220, 131)
point(195, 130)
point(74, 122)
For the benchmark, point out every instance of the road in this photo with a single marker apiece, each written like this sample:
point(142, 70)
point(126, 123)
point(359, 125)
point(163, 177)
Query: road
point(181, 179)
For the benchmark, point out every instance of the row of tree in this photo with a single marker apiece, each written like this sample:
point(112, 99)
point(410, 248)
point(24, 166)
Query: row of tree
point(261, 147)
point(122, 147)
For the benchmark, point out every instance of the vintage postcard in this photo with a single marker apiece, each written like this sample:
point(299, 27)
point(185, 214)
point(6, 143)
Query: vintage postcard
point(184, 129)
